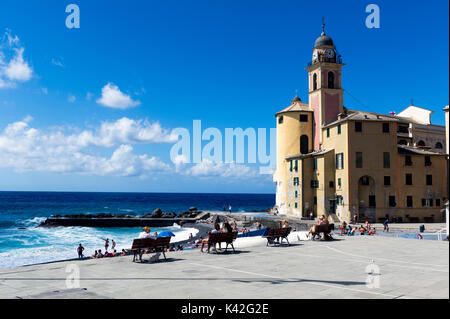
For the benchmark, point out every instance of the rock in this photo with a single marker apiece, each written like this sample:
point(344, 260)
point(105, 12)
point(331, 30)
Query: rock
point(169, 215)
point(148, 215)
point(157, 213)
point(193, 209)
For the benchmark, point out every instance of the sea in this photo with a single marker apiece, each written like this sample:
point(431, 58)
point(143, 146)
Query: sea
point(22, 242)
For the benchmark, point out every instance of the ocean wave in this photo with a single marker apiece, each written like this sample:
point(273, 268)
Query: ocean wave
point(40, 245)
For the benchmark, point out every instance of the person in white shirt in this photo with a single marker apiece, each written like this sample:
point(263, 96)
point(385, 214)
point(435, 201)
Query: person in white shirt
point(145, 233)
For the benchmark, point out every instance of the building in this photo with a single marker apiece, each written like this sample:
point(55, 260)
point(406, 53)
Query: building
point(447, 132)
point(340, 162)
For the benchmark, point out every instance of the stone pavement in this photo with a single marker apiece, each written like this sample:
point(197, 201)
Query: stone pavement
point(394, 268)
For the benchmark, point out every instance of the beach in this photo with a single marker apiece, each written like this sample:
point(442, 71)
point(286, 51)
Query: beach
point(348, 267)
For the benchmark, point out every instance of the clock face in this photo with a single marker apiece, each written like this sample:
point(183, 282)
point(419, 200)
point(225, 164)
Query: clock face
point(329, 53)
point(315, 55)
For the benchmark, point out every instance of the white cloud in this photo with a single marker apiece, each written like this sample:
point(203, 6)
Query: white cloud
point(25, 148)
point(113, 97)
point(208, 169)
point(71, 98)
point(57, 63)
point(18, 69)
point(13, 67)
point(125, 130)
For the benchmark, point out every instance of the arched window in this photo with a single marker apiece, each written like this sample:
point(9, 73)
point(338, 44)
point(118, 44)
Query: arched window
point(402, 142)
point(315, 81)
point(331, 80)
point(280, 120)
point(438, 145)
point(304, 144)
point(421, 143)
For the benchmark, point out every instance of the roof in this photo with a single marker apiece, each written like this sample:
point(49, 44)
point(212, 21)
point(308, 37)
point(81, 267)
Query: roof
point(356, 115)
point(312, 154)
point(410, 150)
point(296, 106)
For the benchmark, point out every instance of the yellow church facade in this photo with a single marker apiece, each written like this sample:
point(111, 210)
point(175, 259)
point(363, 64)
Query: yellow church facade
point(345, 163)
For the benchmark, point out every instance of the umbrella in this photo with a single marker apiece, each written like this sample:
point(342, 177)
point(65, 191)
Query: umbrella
point(166, 234)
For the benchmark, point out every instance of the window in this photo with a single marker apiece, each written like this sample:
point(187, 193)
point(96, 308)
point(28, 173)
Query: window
point(314, 82)
point(303, 117)
point(296, 205)
point(372, 201)
point(387, 180)
point(359, 160)
point(421, 143)
point(328, 132)
point(315, 163)
point(427, 202)
point(331, 184)
point(339, 129)
point(304, 144)
point(314, 184)
point(296, 194)
point(438, 202)
point(340, 161)
point(427, 161)
point(386, 160)
point(408, 179)
point(358, 126)
point(438, 145)
point(365, 180)
point(280, 120)
point(409, 201)
point(392, 202)
point(290, 168)
point(385, 127)
point(296, 166)
point(315, 200)
point(339, 200)
point(403, 129)
point(296, 181)
point(331, 80)
point(429, 179)
point(339, 183)
point(408, 160)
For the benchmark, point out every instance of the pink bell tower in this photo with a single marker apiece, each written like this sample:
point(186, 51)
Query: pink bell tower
point(325, 90)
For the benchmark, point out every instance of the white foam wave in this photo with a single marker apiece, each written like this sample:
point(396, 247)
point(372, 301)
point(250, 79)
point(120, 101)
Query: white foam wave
point(40, 245)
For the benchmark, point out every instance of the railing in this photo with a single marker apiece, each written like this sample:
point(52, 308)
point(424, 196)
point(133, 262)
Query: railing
point(323, 58)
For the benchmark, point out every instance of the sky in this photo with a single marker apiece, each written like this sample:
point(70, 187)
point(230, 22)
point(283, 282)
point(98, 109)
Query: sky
point(94, 108)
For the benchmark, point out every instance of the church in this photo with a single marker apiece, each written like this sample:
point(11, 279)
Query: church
point(342, 163)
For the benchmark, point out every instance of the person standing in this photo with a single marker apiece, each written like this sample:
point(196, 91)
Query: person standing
point(386, 225)
point(113, 244)
point(106, 244)
point(229, 208)
point(80, 251)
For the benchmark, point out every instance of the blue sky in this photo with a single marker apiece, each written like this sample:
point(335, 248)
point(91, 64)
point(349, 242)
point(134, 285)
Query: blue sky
point(227, 63)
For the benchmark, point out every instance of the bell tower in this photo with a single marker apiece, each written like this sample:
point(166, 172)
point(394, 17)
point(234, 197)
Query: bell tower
point(325, 87)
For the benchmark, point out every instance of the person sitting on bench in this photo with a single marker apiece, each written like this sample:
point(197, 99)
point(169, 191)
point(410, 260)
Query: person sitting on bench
point(205, 241)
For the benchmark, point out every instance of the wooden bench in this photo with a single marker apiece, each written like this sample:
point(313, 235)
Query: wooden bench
point(158, 244)
point(217, 238)
point(277, 234)
point(323, 228)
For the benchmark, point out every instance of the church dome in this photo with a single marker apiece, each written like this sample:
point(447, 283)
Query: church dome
point(323, 40)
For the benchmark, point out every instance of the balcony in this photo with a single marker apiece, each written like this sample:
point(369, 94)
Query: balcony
point(323, 58)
